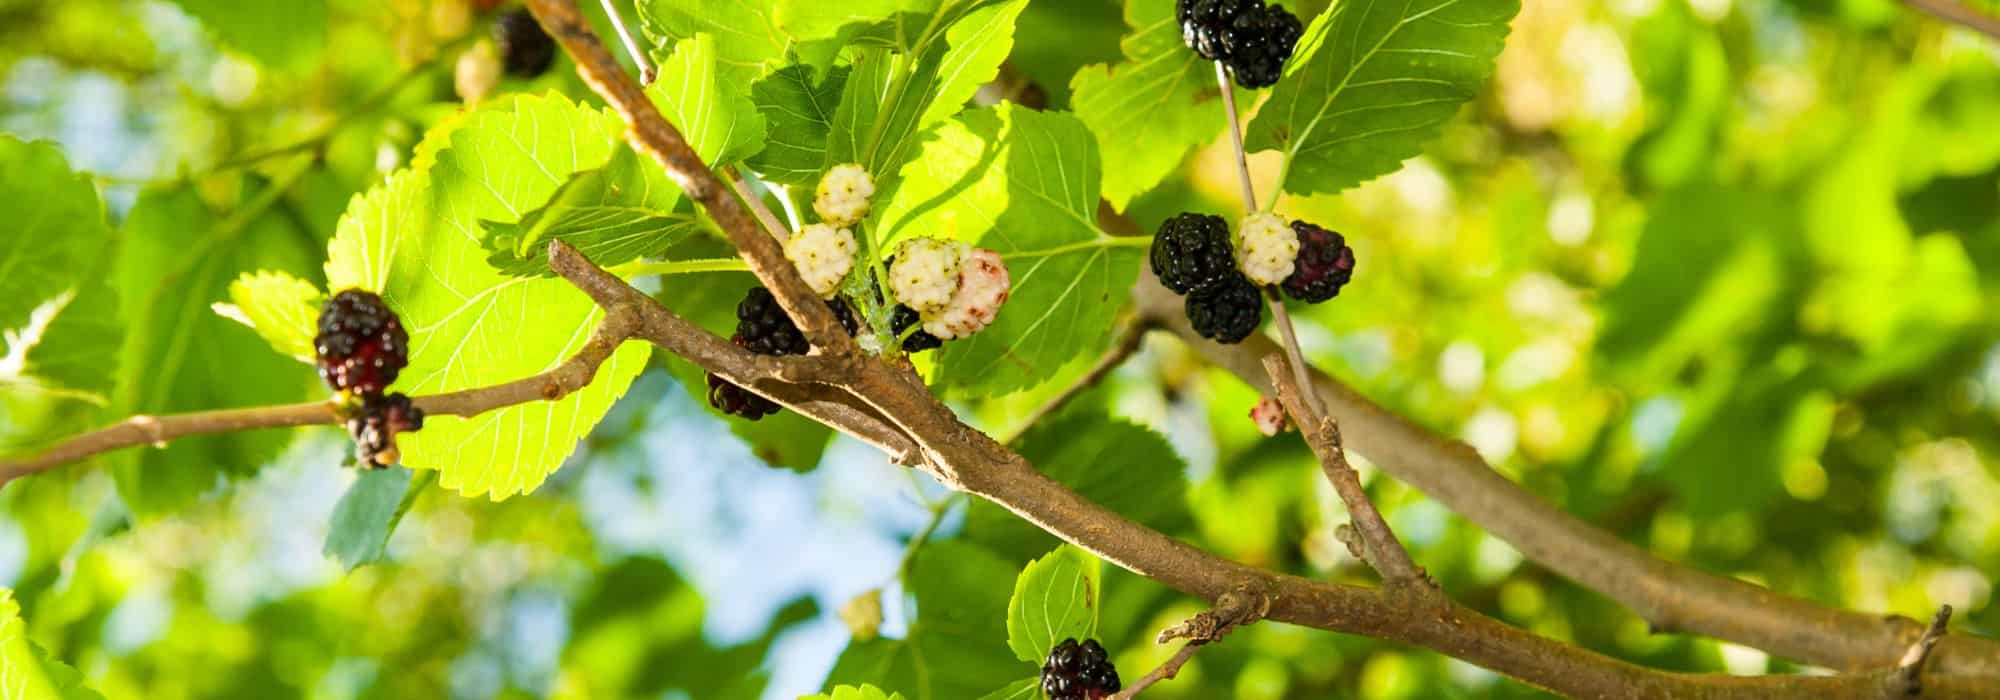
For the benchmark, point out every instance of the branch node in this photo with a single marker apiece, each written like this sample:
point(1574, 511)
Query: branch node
point(1907, 679)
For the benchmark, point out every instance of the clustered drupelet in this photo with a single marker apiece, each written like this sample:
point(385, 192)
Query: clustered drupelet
point(360, 349)
point(1253, 39)
point(762, 327)
point(1079, 672)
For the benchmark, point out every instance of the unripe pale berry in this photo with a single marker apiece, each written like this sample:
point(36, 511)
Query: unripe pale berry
point(1266, 248)
point(1269, 415)
point(823, 255)
point(924, 275)
point(843, 195)
point(983, 285)
point(477, 72)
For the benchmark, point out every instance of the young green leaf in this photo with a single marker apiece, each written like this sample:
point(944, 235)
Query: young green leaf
point(1055, 598)
point(614, 214)
point(849, 692)
point(368, 513)
point(1024, 184)
point(57, 366)
point(414, 239)
point(283, 309)
point(1150, 109)
point(713, 112)
point(798, 118)
point(747, 45)
point(1372, 81)
point(26, 671)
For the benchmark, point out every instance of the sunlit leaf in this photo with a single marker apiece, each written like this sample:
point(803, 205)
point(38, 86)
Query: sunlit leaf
point(1055, 598)
point(27, 672)
point(613, 215)
point(1148, 110)
point(713, 112)
point(1372, 81)
point(415, 239)
point(283, 309)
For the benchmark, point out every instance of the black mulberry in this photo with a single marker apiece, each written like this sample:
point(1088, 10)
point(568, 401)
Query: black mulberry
point(361, 344)
point(526, 50)
point(375, 427)
point(918, 341)
point(738, 401)
point(1324, 265)
point(1228, 311)
point(1259, 43)
point(1192, 251)
point(1205, 24)
point(1079, 672)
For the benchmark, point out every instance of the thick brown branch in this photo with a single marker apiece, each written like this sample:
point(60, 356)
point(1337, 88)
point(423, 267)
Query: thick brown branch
point(650, 133)
point(1668, 595)
point(1958, 13)
point(1384, 552)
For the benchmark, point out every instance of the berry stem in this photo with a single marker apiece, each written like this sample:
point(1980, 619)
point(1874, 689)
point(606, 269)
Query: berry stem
point(646, 69)
point(1279, 316)
point(1236, 137)
point(772, 224)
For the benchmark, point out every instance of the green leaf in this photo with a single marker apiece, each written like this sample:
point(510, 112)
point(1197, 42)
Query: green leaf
point(368, 513)
point(849, 692)
point(1025, 689)
point(1055, 598)
point(747, 44)
point(1371, 82)
point(27, 672)
point(59, 318)
point(891, 98)
point(414, 239)
point(955, 647)
point(283, 35)
point(614, 214)
point(1024, 184)
point(1150, 109)
point(713, 112)
point(798, 118)
point(807, 20)
point(177, 259)
point(1123, 467)
point(283, 309)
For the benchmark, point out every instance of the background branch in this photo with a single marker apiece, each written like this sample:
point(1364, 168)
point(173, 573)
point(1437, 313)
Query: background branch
point(1958, 13)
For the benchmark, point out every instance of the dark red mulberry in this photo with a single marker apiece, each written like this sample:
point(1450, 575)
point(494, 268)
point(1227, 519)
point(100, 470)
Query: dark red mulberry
point(1324, 265)
point(361, 344)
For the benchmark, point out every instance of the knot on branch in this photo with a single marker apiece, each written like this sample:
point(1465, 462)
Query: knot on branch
point(1907, 680)
point(1238, 607)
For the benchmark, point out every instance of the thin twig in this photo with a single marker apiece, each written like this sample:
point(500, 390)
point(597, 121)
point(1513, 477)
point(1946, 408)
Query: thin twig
point(1236, 136)
point(1958, 13)
point(740, 181)
point(1384, 552)
point(1234, 609)
point(1129, 339)
point(647, 72)
point(1907, 680)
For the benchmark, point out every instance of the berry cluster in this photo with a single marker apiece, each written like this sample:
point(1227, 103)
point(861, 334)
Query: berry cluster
point(763, 328)
point(1252, 39)
point(955, 290)
point(1079, 672)
point(360, 348)
point(1192, 255)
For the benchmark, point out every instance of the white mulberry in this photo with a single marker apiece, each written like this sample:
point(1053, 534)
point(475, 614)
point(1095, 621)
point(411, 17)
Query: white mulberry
point(843, 194)
point(924, 275)
point(824, 255)
point(1266, 248)
point(983, 285)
